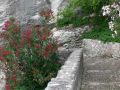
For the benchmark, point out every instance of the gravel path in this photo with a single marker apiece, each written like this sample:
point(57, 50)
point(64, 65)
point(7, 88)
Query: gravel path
point(101, 74)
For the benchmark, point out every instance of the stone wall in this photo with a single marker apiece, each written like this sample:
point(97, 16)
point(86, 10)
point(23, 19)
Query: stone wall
point(94, 48)
point(70, 75)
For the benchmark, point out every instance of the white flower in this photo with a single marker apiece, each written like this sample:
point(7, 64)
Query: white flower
point(113, 18)
point(113, 35)
point(106, 10)
point(111, 25)
point(60, 16)
point(104, 14)
point(115, 6)
point(109, 11)
point(119, 14)
point(115, 32)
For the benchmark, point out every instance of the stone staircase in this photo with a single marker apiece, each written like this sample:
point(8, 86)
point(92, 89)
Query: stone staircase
point(101, 73)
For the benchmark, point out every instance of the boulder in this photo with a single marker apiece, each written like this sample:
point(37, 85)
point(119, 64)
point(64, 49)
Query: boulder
point(69, 38)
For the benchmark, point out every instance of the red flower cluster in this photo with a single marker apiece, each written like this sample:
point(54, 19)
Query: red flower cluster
point(16, 30)
point(28, 35)
point(7, 86)
point(14, 77)
point(6, 25)
point(17, 53)
point(37, 46)
point(0, 48)
point(44, 37)
point(1, 58)
point(34, 41)
point(5, 53)
point(48, 49)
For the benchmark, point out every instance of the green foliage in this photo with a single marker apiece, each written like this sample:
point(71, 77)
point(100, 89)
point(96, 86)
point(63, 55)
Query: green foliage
point(117, 25)
point(67, 17)
point(74, 3)
point(102, 33)
point(74, 20)
point(88, 7)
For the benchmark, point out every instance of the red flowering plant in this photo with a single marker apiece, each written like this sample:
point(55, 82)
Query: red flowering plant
point(31, 56)
point(9, 62)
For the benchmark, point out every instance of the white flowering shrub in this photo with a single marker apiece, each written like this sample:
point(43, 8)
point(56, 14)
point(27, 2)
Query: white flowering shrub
point(113, 12)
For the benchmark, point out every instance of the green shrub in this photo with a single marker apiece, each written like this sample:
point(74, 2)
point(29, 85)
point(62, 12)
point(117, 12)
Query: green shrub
point(76, 22)
point(88, 7)
point(30, 57)
point(102, 33)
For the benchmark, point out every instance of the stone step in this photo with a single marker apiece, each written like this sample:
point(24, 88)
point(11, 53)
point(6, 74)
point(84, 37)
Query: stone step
point(101, 76)
point(98, 67)
point(101, 86)
point(99, 60)
point(100, 64)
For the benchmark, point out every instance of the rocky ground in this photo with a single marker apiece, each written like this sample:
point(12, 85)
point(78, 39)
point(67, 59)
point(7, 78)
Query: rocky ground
point(69, 37)
point(101, 74)
point(2, 77)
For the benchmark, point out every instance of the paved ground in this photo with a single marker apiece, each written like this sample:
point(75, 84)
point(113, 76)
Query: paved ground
point(101, 74)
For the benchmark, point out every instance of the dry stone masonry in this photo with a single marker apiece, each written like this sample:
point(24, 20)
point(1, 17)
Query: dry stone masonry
point(69, 77)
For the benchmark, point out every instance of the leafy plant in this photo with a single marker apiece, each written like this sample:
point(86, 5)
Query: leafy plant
point(30, 57)
point(102, 33)
point(86, 7)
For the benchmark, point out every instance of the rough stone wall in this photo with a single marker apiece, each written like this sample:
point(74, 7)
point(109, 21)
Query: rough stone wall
point(70, 75)
point(22, 9)
point(25, 9)
point(55, 4)
point(3, 6)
